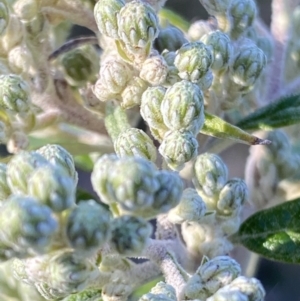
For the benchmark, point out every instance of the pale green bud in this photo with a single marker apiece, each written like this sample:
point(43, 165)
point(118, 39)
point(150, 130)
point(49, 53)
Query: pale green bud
point(14, 94)
point(169, 57)
point(88, 226)
point(210, 175)
point(165, 289)
point(190, 209)
point(132, 183)
point(215, 7)
point(150, 106)
point(86, 295)
point(228, 295)
point(178, 147)
point(102, 92)
point(206, 81)
point(183, 107)
point(118, 289)
point(4, 188)
point(115, 74)
point(20, 59)
point(80, 65)
point(135, 142)
point(154, 70)
point(232, 196)
point(248, 65)
point(20, 168)
point(58, 156)
point(129, 234)
point(221, 48)
point(170, 38)
point(99, 177)
point(193, 61)
point(26, 10)
point(4, 16)
point(241, 15)
point(52, 187)
point(26, 225)
point(200, 28)
point(132, 94)
point(137, 24)
point(155, 297)
point(106, 15)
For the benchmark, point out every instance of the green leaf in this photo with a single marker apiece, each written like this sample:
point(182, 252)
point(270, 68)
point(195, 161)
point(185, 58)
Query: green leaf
point(283, 112)
point(84, 162)
point(273, 233)
point(144, 289)
point(169, 17)
point(219, 128)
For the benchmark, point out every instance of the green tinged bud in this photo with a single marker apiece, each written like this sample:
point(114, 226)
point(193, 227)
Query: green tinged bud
point(26, 10)
point(206, 81)
point(248, 65)
point(170, 38)
point(137, 24)
point(215, 7)
point(183, 107)
point(200, 28)
point(20, 168)
point(88, 226)
point(241, 15)
point(106, 15)
point(26, 225)
point(193, 61)
point(52, 187)
point(86, 295)
point(14, 94)
point(4, 188)
point(165, 289)
point(102, 92)
point(228, 295)
point(232, 196)
point(130, 234)
point(210, 175)
point(178, 147)
point(155, 297)
point(190, 209)
point(221, 48)
point(135, 142)
point(4, 16)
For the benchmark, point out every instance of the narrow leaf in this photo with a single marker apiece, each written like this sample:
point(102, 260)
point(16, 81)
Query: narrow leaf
point(170, 17)
point(273, 233)
point(219, 128)
point(84, 162)
point(283, 112)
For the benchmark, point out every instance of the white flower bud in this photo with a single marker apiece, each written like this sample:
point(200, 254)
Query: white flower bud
point(20, 59)
point(200, 28)
point(165, 289)
point(228, 295)
point(102, 92)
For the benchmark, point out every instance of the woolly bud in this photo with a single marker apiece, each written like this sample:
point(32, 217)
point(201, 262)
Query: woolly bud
point(4, 188)
point(154, 70)
point(26, 225)
point(137, 24)
point(20, 168)
point(210, 175)
point(183, 107)
point(88, 236)
point(129, 234)
point(193, 61)
point(106, 14)
point(135, 142)
point(99, 177)
point(228, 295)
point(102, 92)
point(221, 48)
point(14, 94)
point(190, 209)
point(165, 289)
point(232, 196)
point(178, 147)
point(58, 156)
point(241, 16)
point(52, 187)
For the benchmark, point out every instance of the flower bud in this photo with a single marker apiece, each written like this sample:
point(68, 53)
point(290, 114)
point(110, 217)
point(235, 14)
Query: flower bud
point(248, 65)
point(178, 147)
point(190, 209)
point(58, 156)
point(52, 187)
point(193, 61)
point(206, 81)
point(100, 176)
point(4, 188)
point(165, 289)
point(102, 92)
point(154, 70)
point(26, 225)
point(20, 168)
point(118, 289)
point(135, 142)
point(215, 7)
point(210, 175)
point(14, 94)
point(241, 16)
point(90, 294)
point(20, 59)
point(228, 295)
point(4, 16)
point(129, 234)
point(221, 48)
point(155, 297)
point(106, 15)
point(88, 236)
point(170, 38)
point(232, 196)
point(137, 24)
point(183, 107)
point(200, 28)
point(26, 10)
point(115, 74)
point(132, 94)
